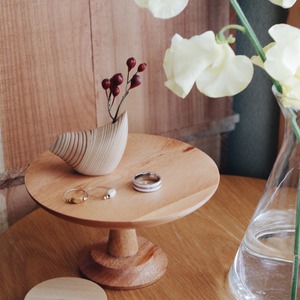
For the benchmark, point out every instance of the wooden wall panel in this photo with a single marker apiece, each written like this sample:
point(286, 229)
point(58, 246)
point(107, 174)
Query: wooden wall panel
point(122, 30)
point(294, 15)
point(46, 81)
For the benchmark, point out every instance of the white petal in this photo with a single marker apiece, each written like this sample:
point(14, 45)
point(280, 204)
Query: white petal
point(284, 3)
point(163, 9)
point(256, 59)
point(291, 92)
point(283, 32)
point(187, 58)
point(227, 77)
point(283, 59)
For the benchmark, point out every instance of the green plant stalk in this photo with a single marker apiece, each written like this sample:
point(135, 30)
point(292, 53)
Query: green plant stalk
point(252, 37)
point(249, 31)
point(294, 286)
point(296, 251)
point(259, 49)
point(221, 38)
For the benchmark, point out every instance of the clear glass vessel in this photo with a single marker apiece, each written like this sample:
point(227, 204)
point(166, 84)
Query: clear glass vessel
point(263, 266)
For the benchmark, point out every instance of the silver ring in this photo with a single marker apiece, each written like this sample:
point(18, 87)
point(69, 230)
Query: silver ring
point(147, 182)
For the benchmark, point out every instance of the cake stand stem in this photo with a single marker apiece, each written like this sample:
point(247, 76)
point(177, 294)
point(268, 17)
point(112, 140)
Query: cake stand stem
point(122, 243)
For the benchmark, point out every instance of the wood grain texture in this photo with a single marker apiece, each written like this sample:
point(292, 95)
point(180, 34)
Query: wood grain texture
point(122, 243)
point(105, 145)
point(144, 268)
point(189, 179)
point(200, 247)
point(46, 82)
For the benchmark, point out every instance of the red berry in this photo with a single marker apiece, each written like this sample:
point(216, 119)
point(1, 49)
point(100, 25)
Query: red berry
point(142, 67)
point(135, 81)
point(115, 91)
point(117, 79)
point(106, 83)
point(130, 63)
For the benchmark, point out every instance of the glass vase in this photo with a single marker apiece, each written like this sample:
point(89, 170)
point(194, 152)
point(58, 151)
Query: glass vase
point(263, 267)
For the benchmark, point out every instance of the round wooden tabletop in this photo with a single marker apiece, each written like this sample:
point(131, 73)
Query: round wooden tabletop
point(189, 179)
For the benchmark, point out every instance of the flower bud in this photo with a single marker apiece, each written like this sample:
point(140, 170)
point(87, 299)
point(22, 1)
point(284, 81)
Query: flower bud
point(131, 62)
point(115, 91)
point(106, 83)
point(142, 67)
point(117, 79)
point(135, 81)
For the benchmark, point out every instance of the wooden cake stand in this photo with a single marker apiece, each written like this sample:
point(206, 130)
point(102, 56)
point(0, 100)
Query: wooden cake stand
point(123, 260)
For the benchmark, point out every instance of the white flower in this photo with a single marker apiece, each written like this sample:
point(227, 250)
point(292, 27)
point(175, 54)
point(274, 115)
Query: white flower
point(283, 62)
point(213, 66)
point(284, 3)
point(186, 59)
point(163, 9)
point(283, 59)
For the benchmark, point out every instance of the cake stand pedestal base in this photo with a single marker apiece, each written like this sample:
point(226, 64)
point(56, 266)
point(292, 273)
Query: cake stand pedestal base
point(123, 261)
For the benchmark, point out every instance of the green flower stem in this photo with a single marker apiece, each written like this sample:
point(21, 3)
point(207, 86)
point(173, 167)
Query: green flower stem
point(294, 286)
point(252, 37)
point(249, 31)
point(296, 251)
point(221, 38)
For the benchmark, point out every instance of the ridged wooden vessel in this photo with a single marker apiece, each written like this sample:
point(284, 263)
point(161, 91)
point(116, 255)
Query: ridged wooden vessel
point(94, 152)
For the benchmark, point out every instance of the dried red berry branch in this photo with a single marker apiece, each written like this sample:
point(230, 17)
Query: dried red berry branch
point(112, 90)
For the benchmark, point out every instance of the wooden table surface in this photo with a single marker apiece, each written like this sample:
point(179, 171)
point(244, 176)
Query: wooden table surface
point(200, 247)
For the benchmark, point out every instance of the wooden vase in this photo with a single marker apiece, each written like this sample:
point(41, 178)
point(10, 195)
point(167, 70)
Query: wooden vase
point(94, 152)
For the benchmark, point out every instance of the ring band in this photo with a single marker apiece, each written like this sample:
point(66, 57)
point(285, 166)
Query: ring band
point(78, 195)
point(102, 193)
point(75, 196)
point(147, 182)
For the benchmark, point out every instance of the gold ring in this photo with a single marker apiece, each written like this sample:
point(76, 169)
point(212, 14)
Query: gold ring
point(75, 196)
